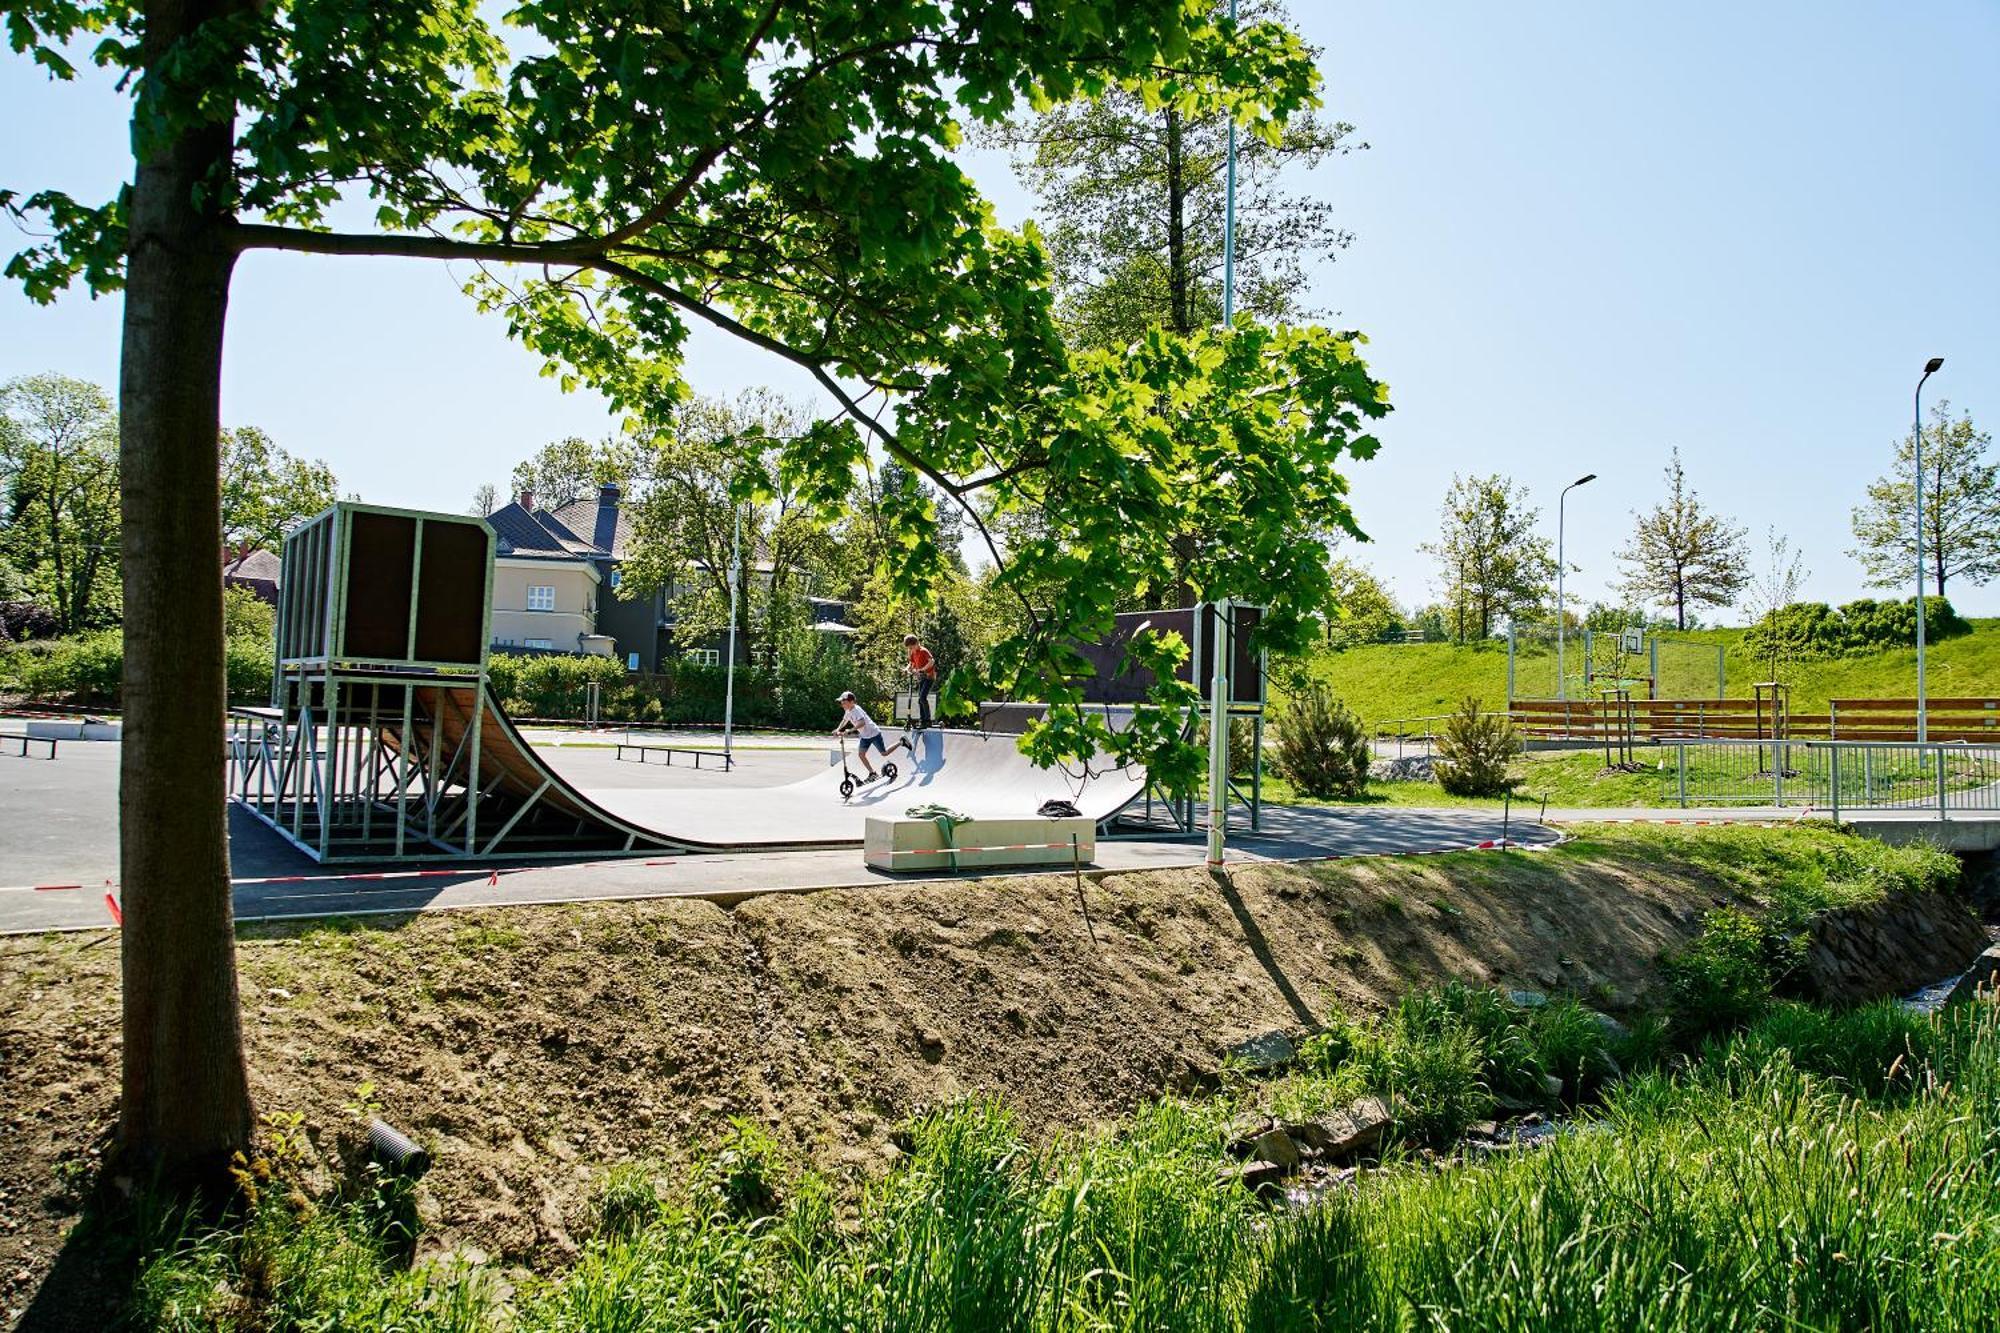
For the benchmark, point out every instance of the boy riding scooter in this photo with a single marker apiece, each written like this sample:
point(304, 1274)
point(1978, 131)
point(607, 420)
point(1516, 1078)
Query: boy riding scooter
point(855, 718)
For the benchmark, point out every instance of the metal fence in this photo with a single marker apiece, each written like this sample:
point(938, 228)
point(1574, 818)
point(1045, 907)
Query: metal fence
point(1943, 778)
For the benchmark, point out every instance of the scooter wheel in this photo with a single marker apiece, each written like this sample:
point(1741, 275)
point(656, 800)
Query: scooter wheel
point(889, 772)
point(846, 788)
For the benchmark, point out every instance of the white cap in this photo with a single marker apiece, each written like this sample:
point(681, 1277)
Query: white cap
point(845, 695)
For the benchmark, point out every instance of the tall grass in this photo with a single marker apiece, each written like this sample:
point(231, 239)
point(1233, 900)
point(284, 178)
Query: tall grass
point(1819, 1170)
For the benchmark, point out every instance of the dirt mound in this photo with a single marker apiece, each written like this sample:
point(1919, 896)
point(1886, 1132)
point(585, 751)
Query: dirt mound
point(531, 1048)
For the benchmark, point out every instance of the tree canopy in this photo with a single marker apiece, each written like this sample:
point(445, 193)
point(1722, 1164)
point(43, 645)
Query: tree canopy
point(266, 490)
point(1491, 562)
point(1961, 509)
point(571, 468)
point(1132, 196)
point(612, 173)
point(59, 496)
point(783, 173)
point(1683, 554)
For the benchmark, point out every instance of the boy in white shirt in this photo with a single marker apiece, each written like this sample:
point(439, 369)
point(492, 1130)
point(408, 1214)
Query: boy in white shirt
point(854, 717)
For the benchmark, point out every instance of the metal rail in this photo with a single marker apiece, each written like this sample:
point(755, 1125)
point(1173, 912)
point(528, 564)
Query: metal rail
point(642, 751)
point(1944, 778)
point(24, 741)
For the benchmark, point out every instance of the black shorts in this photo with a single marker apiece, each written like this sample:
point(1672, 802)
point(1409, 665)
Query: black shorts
point(881, 746)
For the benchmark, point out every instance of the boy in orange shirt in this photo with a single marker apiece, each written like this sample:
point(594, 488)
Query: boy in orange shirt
point(924, 667)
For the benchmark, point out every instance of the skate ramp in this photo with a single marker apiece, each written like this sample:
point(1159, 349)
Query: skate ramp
point(984, 776)
point(977, 774)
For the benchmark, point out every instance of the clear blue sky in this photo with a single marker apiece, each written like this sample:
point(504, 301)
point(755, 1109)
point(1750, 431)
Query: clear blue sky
point(1584, 233)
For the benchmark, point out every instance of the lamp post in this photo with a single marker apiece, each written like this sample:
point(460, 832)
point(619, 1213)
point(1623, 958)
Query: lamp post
point(1931, 367)
point(729, 671)
point(1562, 672)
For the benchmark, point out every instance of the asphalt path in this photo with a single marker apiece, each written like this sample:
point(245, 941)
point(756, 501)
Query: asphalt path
point(59, 850)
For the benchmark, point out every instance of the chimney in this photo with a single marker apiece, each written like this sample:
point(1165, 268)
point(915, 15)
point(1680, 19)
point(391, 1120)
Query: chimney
point(605, 535)
point(528, 501)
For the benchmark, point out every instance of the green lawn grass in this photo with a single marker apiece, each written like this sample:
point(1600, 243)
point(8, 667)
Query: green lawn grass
point(1386, 681)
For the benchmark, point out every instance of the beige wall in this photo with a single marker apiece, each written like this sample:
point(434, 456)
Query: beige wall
point(575, 613)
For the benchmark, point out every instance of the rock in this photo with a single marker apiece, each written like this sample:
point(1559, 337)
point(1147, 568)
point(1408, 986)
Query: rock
point(1527, 999)
point(1267, 1050)
point(1982, 977)
point(1553, 1086)
point(1263, 1178)
point(1244, 1131)
point(1357, 1129)
point(1406, 768)
point(1484, 1129)
point(1612, 1029)
point(1274, 1145)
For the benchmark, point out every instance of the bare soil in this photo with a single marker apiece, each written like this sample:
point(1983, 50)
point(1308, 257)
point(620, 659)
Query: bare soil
point(529, 1049)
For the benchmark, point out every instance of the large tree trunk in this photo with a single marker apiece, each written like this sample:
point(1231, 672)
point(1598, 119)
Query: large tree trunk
point(186, 1102)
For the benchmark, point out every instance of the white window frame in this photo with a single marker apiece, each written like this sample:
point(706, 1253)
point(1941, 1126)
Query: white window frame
point(545, 644)
point(541, 596)
point(617, 578)
point(705, 656)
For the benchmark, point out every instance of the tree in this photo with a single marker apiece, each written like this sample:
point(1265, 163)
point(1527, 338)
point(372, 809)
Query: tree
point(59, 475)
point(1131, 198)
point(1682, 553)
point(1491, 561)
point(613, 173)
point(266, 490)
point(1773, 638)
point(570, 469)
point(720, 464)
point(1961, 509)
point(1361, 609)
point(485, 499)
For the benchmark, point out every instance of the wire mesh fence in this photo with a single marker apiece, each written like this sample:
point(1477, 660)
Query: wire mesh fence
point(1944, 778)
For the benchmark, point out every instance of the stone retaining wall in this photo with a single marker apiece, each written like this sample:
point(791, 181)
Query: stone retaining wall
point(1908, 940)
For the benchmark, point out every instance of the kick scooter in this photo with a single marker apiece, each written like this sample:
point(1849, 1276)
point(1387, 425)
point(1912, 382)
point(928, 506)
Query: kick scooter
point(849, 779)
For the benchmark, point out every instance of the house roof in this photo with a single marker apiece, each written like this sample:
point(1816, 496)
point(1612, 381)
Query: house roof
point(538, 534)
point(606, 526)
point(255, 565)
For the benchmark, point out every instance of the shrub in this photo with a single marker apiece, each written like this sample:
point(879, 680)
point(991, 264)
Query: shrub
point(1723, 979)
point(26, 620)
point(1242, 745)
point(1474, 751)
point(1814, 629)
point(1439, 1085)
point(1322, 747)
point(1570, 1043)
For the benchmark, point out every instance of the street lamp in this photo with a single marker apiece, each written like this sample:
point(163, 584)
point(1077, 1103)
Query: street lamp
point(1931, 367)
point(1562, 675)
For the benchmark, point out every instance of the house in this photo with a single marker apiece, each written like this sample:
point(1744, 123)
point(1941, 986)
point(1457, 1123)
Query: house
point(547, 582)
point(568, 558)
point(256, 569)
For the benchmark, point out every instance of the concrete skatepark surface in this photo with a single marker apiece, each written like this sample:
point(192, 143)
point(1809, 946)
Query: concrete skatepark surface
point(59, 825)
point(980, 775)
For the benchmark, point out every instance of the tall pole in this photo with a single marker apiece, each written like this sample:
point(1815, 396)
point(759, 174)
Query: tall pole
point(1218, 687)
point(1562, 626)
point(729, 676)
point(1931, 367)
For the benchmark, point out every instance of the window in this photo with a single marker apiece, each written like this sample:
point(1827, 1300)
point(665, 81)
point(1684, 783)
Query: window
point(631, 661)
point(538, 643)
point(616, 579)
point(705, 656)
point(541, 597)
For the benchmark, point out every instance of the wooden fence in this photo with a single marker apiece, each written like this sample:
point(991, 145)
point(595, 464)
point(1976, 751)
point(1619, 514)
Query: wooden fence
point(1645, 721)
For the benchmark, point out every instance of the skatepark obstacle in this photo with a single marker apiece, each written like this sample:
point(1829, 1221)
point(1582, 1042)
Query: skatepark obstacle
point(383, 741)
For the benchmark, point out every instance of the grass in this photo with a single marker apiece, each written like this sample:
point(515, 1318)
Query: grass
point(1815, 1171)
point(1387, 681)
